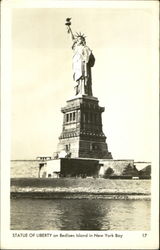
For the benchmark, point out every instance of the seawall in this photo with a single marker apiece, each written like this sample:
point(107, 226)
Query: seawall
point(78, 188)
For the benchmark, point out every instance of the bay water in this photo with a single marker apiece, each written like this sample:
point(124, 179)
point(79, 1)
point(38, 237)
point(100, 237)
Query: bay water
point(79, 214)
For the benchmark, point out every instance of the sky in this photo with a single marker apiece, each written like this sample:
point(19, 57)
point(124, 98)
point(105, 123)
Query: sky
point(122, 41)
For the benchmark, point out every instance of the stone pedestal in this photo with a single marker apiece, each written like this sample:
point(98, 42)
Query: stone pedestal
point(82, 133)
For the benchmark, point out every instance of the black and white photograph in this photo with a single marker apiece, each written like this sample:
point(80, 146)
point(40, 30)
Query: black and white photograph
point(80, 125)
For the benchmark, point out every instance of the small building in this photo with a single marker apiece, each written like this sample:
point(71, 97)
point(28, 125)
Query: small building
point(88, 167)
point(80, 167)
point(69, 167)
point(49, 169)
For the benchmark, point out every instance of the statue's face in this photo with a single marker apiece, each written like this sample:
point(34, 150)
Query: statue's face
point(80, 40)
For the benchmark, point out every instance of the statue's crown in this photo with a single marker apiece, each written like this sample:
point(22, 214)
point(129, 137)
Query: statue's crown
point(80, 35)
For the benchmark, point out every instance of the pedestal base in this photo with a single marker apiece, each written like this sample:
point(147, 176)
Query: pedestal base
point(82, 134)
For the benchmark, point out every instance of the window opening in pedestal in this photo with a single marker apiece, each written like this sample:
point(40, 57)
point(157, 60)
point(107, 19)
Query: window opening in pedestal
point(74, 116)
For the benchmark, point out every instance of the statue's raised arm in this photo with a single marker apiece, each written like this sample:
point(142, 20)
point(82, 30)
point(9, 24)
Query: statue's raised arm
point(83, 60)
point(68, 24)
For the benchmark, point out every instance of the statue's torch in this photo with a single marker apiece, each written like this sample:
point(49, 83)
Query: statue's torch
point(68, 24)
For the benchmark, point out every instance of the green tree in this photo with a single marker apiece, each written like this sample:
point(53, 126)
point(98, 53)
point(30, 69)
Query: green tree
point(108, 172)
point(130, 170)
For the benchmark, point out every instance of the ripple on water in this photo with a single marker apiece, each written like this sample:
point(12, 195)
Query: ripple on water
point(79, 214)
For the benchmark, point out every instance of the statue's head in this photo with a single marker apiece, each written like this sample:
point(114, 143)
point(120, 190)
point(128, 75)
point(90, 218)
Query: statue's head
point(80, 39)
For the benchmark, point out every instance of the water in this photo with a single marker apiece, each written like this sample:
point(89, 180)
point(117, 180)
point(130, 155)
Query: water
point(79, 214)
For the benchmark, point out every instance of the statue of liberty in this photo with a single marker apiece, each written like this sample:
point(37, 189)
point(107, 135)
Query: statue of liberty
point(83, 60)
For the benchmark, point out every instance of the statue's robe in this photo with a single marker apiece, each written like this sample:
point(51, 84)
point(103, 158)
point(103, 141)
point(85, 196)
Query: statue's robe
point(83, 60)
